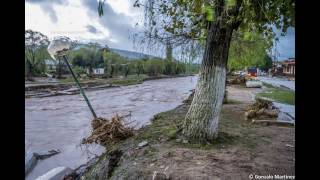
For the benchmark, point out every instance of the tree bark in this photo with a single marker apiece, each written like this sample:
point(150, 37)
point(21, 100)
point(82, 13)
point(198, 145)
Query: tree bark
point(202, 120)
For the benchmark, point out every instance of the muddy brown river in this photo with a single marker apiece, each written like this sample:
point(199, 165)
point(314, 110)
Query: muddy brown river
point(60, 122)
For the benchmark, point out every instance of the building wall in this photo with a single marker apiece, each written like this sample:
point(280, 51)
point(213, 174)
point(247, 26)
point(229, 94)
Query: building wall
point(289, 69)
point(97, 71)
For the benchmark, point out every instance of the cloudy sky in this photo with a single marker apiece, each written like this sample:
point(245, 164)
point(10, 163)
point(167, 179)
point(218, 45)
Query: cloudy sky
point(78, 19)
point(286, 45)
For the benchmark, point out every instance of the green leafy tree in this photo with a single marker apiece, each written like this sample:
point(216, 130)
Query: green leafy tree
point(112, 63)
point(267, 63)
point(87, 58)
point(212, 23)
point(35, 52)
point(154, 67)
point(248, 49)
point(169, 67)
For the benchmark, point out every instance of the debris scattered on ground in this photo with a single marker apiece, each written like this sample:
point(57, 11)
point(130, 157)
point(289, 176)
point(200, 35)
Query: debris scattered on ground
point(236, 79)
point(185, 141)
point(187, 161)
point(143, 143)
point(253, 84)
point(261, 109)
point(106, 132)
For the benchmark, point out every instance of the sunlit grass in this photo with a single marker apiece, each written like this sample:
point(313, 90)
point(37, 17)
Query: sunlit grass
point(278, 94)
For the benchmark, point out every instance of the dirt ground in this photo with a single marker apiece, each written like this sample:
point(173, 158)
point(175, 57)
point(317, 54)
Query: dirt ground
point(241, 149)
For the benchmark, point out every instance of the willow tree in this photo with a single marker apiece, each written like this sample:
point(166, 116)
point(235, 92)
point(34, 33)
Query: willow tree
point(249, 49)
point(35, 51)
point(211, 23)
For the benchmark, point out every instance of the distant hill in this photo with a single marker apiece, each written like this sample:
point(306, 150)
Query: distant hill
point(131, 55)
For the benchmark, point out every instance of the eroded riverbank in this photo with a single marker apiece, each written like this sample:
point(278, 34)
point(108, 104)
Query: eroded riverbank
point(241, 149)
point(60, 122)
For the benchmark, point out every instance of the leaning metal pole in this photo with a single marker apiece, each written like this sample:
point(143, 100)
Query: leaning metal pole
point(65, 58)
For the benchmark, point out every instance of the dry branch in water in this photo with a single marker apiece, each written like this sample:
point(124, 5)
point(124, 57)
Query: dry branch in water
point(108, 133)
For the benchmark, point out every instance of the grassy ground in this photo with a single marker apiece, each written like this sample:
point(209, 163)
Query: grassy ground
point(278, 94)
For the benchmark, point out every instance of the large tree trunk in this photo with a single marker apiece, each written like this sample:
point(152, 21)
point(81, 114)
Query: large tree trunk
point(202, 120)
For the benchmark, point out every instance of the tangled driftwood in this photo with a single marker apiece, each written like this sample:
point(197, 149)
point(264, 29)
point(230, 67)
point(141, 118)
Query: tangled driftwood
point(232, 79)
point(106, 132)
point(261, 109)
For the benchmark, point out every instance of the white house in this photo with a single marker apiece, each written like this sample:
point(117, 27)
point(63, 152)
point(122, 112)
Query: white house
point(97, 71)
point(50, 64)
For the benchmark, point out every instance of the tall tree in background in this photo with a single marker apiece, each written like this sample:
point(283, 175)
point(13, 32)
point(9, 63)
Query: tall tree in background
point(169, 51)
point(87, 58)
point(212, 23)
point(35, 52)
point(248, 49)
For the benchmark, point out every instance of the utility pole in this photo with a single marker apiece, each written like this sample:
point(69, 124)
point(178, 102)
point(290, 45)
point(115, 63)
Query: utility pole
point(79, 86)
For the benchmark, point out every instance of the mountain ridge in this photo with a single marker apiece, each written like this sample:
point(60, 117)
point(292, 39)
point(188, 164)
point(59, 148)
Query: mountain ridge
point(131, 55)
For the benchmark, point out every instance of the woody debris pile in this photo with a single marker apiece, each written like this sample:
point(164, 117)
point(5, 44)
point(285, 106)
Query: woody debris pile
point(108, 132)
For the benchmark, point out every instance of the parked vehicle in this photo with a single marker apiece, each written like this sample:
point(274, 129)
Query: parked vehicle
point(252, 71)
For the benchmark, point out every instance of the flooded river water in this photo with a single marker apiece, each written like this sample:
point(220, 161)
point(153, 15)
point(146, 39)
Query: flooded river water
point(60, 122)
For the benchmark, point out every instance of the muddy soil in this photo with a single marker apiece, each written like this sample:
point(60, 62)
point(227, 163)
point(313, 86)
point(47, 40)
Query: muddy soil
point(241, 149)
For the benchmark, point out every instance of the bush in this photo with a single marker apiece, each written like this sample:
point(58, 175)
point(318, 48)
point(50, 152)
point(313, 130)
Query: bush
point(154, 67)
point(79, 70)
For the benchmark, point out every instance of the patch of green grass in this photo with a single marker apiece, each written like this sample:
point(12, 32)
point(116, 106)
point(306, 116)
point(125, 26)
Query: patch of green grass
point(278, 94)
point(172, 133)
point(268, 85)
point(163, 126)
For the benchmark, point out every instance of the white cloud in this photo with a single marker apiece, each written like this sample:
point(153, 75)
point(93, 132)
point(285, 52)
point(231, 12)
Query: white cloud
point(72, 20)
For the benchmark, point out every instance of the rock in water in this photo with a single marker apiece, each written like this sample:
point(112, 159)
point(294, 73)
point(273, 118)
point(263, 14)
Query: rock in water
point(57, 173)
